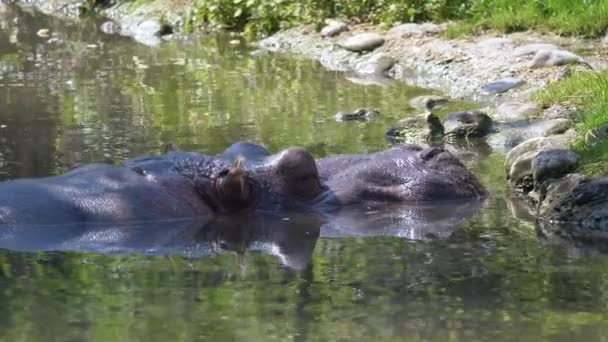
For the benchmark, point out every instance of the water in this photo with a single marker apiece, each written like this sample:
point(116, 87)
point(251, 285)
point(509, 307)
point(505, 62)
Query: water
point(82, 97)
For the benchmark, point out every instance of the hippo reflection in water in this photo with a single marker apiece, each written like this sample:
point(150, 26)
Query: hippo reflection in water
point(89, 205)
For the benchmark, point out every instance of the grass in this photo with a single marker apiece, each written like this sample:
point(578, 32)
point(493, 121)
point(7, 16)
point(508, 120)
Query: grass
point(589, 92)
point(588, 18)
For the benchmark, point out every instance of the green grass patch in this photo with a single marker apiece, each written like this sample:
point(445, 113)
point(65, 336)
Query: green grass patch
point(589, 92)
point(587, 18)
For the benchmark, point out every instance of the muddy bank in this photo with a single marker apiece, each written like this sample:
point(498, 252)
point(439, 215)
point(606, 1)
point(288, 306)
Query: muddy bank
point(459, 68)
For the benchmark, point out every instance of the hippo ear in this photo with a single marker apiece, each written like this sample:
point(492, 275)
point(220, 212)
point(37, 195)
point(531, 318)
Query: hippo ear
point(170, 147)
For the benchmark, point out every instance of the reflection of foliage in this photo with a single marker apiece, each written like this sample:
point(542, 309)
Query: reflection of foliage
point(356, 289)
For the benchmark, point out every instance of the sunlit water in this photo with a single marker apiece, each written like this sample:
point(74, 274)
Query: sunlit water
point(80, 96)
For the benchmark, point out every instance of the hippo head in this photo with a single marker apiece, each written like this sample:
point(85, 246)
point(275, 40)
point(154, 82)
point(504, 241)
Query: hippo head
point(294, 173)
point(284, 180)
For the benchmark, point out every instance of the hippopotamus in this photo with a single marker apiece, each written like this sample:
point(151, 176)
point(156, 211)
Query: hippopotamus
point(243, 178)
point(174, 185)
point(179, 202)
point(401, 174)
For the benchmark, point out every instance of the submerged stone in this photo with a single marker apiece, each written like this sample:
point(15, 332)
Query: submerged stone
point(363, 42)
point(360, 114)
point(468, 124)
point(502, 85)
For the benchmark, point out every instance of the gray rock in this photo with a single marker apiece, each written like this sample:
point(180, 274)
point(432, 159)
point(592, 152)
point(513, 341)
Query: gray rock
point(550, 58)
point(362, 42)
point(576, 206)
point(511, 111)
point(147, 32)
point(377, 64)
point(554, 126)
point(511, 134)
point(552, 164)
point(500, 86)
point(44, 33)
point(596, 136)
point(360, 114)
point(519, 160)
point(532, 49)
point(559, 111)
point(465, 124)
point(428, 102)
point(333, 29)
point(109, 27)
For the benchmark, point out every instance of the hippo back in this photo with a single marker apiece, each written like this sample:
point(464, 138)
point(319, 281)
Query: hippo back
point(400, 174)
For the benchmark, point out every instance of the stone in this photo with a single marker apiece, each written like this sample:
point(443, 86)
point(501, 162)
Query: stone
point(377, 64)
point(147, 32)
point(109, 27)
point(552, 164)
point(532, 49)
point(360, 114)
point(596, 136)
point(513, 133)
point(501, 85)
point(554, 126)
point(43, 33)
point(334, 29)
point(511, 111)
point(581, 203)
point(551, 58)
point(465, 124)
point(519, 160)
point(363, 42)
point(559, 111)
point(428, 102)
